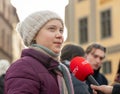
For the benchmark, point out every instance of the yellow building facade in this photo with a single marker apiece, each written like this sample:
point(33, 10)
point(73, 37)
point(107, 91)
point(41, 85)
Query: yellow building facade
point(96, 21)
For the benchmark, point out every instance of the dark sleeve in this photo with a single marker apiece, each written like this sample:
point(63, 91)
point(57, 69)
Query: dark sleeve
point(103, 80)
point(2, 84)
point(79, 86)
point(116, 89)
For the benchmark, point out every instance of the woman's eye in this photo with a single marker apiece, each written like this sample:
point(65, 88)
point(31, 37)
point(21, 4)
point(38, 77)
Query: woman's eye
point(51, 28)
point(61, 31)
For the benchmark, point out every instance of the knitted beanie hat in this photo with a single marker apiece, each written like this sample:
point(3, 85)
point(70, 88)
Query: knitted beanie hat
point(30, 26)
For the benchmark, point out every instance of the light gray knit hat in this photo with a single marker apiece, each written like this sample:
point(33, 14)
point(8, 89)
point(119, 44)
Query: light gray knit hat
point(30, 26)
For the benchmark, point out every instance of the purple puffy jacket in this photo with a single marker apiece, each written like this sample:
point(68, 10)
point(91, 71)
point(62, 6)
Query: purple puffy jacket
point(32, 74)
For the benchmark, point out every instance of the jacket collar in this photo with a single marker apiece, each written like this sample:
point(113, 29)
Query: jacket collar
point(96, 72)
point(46, 60)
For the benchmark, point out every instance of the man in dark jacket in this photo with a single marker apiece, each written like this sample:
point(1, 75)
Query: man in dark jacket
point(95, 53)
point(69, 51)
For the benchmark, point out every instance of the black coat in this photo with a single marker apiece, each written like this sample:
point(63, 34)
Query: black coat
point(100, 78)
point(79, 86)
point(2, 84)
point(116, 89)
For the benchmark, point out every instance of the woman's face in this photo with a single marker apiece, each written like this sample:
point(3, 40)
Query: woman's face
point(51, 35)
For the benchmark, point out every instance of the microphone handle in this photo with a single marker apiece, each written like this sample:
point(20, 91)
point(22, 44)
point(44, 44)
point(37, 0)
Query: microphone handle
point(91, 79)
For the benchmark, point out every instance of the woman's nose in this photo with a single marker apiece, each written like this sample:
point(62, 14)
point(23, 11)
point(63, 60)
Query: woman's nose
point(59, 34)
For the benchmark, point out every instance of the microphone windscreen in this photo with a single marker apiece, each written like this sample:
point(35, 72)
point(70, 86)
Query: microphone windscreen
point(80, 68)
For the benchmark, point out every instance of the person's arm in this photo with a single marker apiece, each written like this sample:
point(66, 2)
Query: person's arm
point(20, 79)
point(103, 88)
point(106, 89)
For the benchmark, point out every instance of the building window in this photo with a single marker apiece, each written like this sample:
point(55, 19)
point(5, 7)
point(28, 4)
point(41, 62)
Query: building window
point(83, 30)
point(107, 67)
point(106, 24)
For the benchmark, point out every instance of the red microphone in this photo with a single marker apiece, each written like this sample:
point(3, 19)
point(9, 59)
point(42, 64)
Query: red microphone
point(82, 70)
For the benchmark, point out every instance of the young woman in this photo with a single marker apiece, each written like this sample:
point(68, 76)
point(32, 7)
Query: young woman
point(39, 70)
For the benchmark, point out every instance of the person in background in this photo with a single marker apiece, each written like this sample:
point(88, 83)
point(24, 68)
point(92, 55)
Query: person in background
point(105, 89)
point(68, 52)
point(117, 77)
point(39, 70)
point(95, 54)
point(4, 65)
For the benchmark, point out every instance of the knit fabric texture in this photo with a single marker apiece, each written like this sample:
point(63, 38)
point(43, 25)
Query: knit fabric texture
point(4, 65)
point(32, 24)
point(67, 80)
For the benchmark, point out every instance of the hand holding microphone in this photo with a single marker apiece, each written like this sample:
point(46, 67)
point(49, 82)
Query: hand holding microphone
point(82, 70)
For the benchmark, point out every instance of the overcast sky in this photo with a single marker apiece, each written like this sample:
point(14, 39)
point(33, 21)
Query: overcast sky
point(26, 7)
